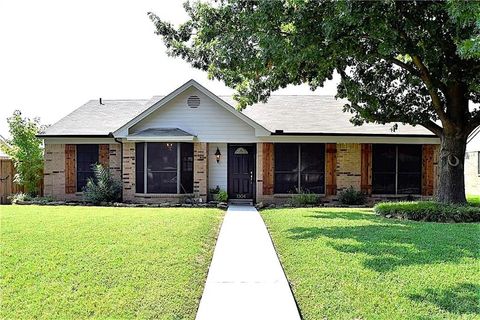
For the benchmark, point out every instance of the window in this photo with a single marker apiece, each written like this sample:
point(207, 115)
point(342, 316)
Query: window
point(478, 159)
point(164, 168)
point(396, 169)
point(299, 166)
point(87, 156)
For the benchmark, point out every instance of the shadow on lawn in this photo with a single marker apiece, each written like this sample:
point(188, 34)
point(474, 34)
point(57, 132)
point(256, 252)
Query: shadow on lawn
point(392, 244)
point(461, 299)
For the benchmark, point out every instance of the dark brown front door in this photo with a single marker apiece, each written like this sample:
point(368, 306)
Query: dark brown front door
point(241, 171)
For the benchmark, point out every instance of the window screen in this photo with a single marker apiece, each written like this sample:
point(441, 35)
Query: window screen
point(186, 172)
point(313, 167)
point(396, 169)
point(87, 156)
point(409, 169)
point(161, 167)
point(383, 168)
point(286, 167)
point(164, 161)
point(139, 167)
point(299, 166)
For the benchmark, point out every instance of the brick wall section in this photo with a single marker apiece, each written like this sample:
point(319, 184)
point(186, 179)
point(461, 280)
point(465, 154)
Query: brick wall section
point(54, 173)
point(128, 177)
point(348, 166)
point(200, 170)
point(330, 169)
point(472, 176)
point(104, 155)
point(115, 160)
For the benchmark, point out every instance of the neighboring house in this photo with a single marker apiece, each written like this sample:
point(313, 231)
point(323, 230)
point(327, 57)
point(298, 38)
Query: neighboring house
point(472, 164)
point(191, 140)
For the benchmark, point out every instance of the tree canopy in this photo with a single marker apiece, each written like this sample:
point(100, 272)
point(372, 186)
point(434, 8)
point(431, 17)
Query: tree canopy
point(397, 60)
point(26, 150)
point(415, 62)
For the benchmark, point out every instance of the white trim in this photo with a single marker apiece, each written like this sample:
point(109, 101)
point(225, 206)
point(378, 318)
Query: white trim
point(160, 139)
point(259, 130)
point(75, 140)
point(351, 139)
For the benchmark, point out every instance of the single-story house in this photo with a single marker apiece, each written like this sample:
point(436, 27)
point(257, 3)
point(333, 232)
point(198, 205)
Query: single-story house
point(191, 140)
point(472, 163)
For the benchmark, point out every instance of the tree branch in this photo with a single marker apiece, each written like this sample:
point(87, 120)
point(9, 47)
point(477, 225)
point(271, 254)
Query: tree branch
point(405, 66)
point(427, 79)
point(433, 127)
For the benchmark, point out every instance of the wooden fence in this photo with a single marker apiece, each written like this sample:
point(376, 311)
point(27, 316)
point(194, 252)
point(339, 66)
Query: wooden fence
point(7, 185)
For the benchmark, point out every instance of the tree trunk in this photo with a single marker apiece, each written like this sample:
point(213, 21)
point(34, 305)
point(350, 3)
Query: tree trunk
point(451, 183)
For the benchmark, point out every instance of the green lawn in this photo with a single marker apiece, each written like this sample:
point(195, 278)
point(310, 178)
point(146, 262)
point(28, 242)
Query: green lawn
point(352, 264)
point(116, 263)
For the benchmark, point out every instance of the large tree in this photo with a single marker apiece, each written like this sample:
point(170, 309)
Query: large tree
point(410, 62)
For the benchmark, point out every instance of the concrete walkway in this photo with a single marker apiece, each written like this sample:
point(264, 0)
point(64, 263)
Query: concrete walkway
point(246, 280)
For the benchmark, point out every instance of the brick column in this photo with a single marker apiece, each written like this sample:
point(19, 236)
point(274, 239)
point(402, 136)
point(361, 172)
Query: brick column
point(115, 160)
point(349, 166)
point(200, 170)
point(128, 178)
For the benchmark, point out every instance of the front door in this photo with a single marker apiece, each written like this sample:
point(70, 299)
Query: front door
point(241, 171)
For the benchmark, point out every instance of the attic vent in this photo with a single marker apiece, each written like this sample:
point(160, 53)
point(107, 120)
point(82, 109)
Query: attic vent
point(193, 101)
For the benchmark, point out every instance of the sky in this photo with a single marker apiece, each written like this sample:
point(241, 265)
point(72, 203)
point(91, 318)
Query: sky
point(56, 55)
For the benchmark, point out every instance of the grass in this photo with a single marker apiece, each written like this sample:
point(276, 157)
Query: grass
point(352, 264)
point(474, 200)
point(116, 263)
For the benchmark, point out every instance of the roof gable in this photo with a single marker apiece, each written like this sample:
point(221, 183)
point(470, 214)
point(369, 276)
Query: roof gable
point(163, 102)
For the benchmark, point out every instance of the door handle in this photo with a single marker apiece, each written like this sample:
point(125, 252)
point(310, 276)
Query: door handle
point(251, 176)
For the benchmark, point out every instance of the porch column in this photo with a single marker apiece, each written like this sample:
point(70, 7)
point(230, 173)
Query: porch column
point(128, 177)
point(200, 170)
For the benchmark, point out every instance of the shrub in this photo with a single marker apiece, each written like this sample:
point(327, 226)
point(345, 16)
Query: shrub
point(304, 198)
point(102, 187)
point(351, 197)
point(22, 197)
point(221, 196)
point(428, 211)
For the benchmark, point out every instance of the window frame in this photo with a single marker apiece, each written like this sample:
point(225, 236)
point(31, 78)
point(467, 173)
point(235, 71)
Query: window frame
point(478, 163)
point(395, 193)
point(178, 170)
point(298, 170)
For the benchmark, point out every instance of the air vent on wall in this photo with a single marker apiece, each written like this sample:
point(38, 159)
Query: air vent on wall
point(193, 101)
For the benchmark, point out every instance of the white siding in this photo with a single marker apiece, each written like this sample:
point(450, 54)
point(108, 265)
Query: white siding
point(210, 122)
point(217, 172)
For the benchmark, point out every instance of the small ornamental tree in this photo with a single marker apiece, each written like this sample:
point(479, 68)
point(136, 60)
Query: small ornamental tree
point(411, 62)
point(26, 151)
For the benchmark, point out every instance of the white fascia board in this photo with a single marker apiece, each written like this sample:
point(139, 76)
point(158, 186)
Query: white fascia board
point(161, 139)
point(78, 140)
point(351, 139)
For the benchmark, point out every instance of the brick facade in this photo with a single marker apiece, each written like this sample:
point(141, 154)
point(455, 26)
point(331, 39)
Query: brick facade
point(348, 172)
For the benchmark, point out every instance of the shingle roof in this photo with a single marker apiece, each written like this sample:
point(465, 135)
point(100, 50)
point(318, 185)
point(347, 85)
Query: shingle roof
point(311, 114)
point(315, 114)
point(94, 118)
